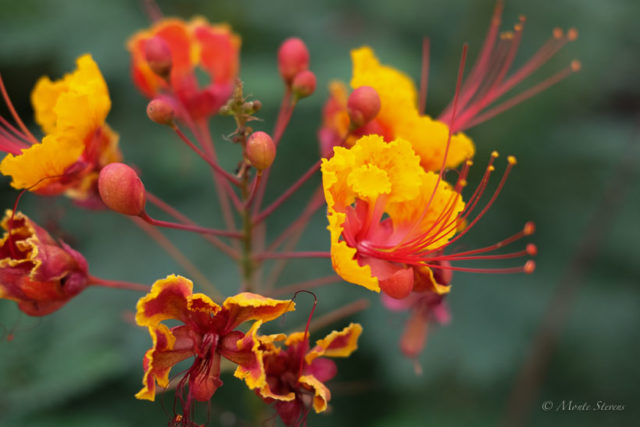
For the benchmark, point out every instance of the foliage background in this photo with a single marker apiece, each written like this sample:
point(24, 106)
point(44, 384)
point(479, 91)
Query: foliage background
point(82, 365)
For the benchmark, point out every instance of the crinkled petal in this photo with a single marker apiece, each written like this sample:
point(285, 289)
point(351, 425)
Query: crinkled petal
point(171, 298)
point(219, 50)
point(336, 344)
point(248, 306)
point(321, 394)
point(42, 165)
point(250, 365)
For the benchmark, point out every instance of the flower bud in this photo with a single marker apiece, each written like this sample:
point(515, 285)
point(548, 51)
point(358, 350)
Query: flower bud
point(160, 111)
point(363, 105)
point(121, 189)
point(304, 84)
point(293, 57)
point(158, 56)
point(260, 150)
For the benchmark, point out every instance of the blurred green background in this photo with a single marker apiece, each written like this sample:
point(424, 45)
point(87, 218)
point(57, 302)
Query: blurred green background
point(82, 365)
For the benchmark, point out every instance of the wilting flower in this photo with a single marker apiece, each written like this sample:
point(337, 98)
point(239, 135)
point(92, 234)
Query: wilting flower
point(77, 142)
point(400, 115)
point(295, 375)
point(164, 60)
point(37, 272)
point(390, 221)
point(208, 333)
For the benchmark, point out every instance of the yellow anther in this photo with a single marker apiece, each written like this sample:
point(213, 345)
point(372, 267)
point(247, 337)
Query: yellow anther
point(572, 34)
point(512, 160)
point(494, 154)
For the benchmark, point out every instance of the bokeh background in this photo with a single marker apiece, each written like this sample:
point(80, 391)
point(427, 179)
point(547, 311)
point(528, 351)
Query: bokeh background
point(82, 365)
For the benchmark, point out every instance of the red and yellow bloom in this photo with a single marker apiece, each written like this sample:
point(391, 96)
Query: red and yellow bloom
point(37, 272)
point(212, 48)
point(77, 142)
point(295, 375)
point(208, 333)
point(390, 220)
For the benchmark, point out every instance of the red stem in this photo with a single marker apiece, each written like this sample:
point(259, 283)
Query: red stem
point(206, 158)
point(170, 210)
point(303, 254)
point(194, 228)
point(117, 284)
point(273, 206)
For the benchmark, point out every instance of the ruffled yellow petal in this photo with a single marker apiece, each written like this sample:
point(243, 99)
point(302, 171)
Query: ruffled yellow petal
point(40, 164)
point(344, 175)
point(248, 306)
point(343, 257)
point(398, 95)
point(337, 343)
point(429, 140)
point(321, 394)
point(74, 105)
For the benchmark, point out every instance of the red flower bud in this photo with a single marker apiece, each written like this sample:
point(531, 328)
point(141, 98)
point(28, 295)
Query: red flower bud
point(293, 57)
point(399, 284)
point(363, 105)
point(304, 84)
point(260, 150)
point(160, 111)
point(158, 56)
point(121, 189)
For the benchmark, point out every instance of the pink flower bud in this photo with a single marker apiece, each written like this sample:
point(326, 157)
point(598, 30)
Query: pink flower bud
point(304, 84)
point(158, 56)
point(121, 189)
point(160, 111)
point(363, 105)
point(293, 57)
point(260, 150)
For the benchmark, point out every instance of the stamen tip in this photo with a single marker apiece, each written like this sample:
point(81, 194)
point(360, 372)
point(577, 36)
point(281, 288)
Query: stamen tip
point(576, 65)
point(517, 27)
point(558, 33)
point(529, 228)
point(512, 160)
point(529, 267)
point(494, 154)
point(572, 34)
point(469, 163)
point(532, 250)
point(522, 18)
point(491, 168)
point(463, 182)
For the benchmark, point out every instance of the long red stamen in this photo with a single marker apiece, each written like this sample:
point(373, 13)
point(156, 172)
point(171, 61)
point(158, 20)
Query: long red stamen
point(29, 137)
point(488, 79)
point(528, 268)
point(463, 58)
point(424, 75)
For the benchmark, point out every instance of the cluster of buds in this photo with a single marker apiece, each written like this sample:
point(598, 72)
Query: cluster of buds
point(392, 211)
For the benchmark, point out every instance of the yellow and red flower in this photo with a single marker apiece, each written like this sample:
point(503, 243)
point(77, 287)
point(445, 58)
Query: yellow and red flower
point(188, 45)
point(77, 142)
point(295, 375)
point(37, 272)
point(208, 333)
point(390, 220)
